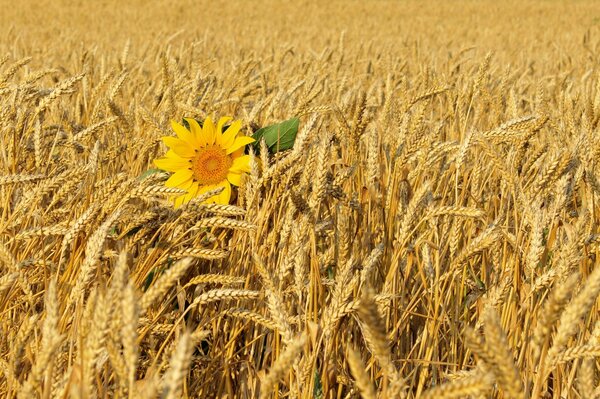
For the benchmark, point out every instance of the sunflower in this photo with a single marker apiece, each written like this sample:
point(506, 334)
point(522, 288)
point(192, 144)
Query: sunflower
point(204, 158)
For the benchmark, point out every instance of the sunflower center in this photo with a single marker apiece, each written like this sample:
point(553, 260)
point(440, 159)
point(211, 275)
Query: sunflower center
point(210, 165)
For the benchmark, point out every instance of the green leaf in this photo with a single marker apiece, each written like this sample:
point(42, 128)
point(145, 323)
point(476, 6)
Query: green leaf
point(149, 279)
point(278, 137)
point(148, 173)
point(318, 388)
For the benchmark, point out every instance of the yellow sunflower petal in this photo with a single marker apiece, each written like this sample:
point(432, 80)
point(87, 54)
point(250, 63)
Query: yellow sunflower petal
point(194, 188)
point(205, 189)
point(178, 201)
point(184, 134)
point(179, 147)
point(179, 178)
point(225, 195)
point(171, 164)
point(222, 121)
point(230, 133)
point(171, 155)
point(196, 130)
point(187, 185)
point(234, 178)
point(237, 153)
point(239, 143)
point(240, 164)
point(209, 131)
point(191, 193)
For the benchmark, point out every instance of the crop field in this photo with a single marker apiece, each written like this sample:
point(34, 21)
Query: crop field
point(404, 203)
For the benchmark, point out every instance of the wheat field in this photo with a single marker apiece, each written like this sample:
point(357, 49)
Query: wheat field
point(433, 233)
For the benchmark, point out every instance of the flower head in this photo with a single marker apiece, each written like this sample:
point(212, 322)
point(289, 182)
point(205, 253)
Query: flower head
point(204, 158)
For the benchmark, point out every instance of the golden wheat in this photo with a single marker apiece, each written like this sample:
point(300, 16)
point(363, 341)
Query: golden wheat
point(432, 233)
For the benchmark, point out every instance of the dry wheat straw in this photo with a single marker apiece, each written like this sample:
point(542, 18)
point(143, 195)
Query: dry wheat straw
point(15, 179)
point(129, 334)
point(283, 363)
point(92, 256)
point(179, 364)
point(574, 311)
point(362, 380)
point(378, 343)
point(452, 183)
point(222, 294)
point(250, 315)
point(214, 279)
point(164, 283)
point(501, 356)
point(202, 253)
point(471, 386)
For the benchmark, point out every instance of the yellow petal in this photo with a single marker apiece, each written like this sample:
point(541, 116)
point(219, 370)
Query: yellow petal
point(225, 195)
point(197, 132)
point(234, 178)
point(194, 188)
point(177, 201)
point(237, 153)
point(205, 189)
point(230, 133)
point(208, 130)
point(179, 178)
point(187, 185)
point(240, 164)
point(171, 164)
point(191, 193)
point(171, 154)
point(239, 143)
point(179, 147)
point(184, 134)
point(222, 121)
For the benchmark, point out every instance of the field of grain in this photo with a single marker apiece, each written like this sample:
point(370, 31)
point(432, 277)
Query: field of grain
point(433, 233)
